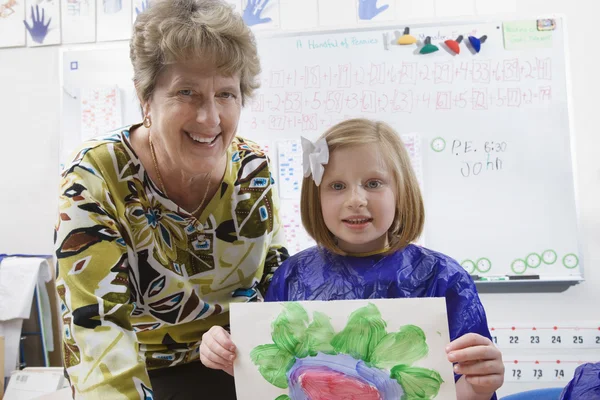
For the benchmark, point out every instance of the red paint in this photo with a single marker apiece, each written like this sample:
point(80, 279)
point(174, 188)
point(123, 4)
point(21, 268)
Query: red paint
point(327, 385)
point(516, 361)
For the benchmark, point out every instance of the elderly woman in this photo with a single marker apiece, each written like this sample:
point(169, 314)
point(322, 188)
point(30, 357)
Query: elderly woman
point(163, 224)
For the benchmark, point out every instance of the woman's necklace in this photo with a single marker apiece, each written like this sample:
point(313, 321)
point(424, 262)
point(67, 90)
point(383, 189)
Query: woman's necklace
point(162, 185)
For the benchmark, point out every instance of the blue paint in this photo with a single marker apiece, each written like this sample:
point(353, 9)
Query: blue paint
point(380, 379)
point(367, 9)
point(38, 30)
point(252, 12)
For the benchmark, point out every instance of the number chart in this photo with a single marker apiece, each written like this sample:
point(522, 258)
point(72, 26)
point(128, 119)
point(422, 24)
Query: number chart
point(546, 337)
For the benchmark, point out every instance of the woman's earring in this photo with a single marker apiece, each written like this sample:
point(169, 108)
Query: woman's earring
point(147, 122)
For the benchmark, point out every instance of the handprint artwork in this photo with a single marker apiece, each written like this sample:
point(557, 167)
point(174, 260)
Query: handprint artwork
point(367, 9)
point(38, 29)
point(253, 10)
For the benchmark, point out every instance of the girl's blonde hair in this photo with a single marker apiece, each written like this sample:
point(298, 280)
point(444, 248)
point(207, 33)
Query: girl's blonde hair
point(171, 31)
point(410, 213)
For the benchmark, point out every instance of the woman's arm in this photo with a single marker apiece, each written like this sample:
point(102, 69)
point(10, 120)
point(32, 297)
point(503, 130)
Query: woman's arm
point(100, 348)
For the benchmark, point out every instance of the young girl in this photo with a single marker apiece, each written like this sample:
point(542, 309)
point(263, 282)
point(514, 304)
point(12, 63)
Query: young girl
point(362, 204)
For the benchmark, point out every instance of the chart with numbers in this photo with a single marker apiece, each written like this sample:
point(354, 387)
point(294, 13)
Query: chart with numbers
point(541, 369)
point(546, 337)
point(290, 168)
point(100, 111)
point(296, 237)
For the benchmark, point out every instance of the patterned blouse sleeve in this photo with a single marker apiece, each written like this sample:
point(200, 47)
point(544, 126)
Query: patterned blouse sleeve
point(100, 348)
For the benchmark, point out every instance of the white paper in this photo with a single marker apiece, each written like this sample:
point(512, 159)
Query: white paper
point(296, 237)
point(12, 30)
point(100, 111)
point(26, 385)
point(251, 327)
point(261, 14)
point(290, 168)
point(297, 15)
point(496, 7)
point(114, 20)
point(78, 21)
point(18, 279)
point(11, 330)
point(43, 20)
point(414, 9)
point(454, 8)
point(337, 13)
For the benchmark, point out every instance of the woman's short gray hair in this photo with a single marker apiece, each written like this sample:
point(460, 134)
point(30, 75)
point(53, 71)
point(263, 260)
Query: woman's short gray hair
point(171, 31)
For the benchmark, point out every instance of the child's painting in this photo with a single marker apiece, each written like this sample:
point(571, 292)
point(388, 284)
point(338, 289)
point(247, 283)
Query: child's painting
point(358, 349)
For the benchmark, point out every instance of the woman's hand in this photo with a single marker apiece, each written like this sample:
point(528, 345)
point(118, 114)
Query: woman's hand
point(217, 351)
point(480, 363)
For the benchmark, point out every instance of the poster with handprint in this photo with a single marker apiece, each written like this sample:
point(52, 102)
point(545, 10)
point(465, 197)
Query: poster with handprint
point(261, 14)
point(376, 10)
point(78, 21)
point(138, 7)
point(42, 21)
point(12, 31)
point(384, 349)
point(114, 20)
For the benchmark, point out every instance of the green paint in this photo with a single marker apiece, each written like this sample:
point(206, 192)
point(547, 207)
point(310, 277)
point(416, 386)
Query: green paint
point(364, 337)
point(469, 266)
point(273, 363)
point(364, 330)
point(403, 347)
point(319, 335)
point(289, 330)
point(418, 383)
point(520, 35)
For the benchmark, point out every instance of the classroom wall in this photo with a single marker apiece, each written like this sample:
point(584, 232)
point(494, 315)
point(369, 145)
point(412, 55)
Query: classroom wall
point(29, 123)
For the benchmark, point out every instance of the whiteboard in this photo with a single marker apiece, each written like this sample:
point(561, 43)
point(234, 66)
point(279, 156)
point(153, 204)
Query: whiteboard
point(494, 148)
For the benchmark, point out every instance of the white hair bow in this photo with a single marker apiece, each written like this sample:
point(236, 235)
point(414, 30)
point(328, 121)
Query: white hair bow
point(315, 157)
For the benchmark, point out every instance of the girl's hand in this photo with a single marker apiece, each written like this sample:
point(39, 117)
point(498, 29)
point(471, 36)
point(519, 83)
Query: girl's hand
point(480, 363)
point(217, 351)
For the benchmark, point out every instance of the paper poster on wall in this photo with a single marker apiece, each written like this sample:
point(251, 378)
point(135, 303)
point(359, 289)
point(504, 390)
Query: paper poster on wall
point(114, 20)
point(42, 21)
point(100, 111)
point(376, 10)
point(290, 168)
point(359, 349)
point(78, 21)
point(261, 14)
point(410, 9)
point(138, 6)
point(337, 13)
point(495, 7)
point(296, 237)
point(455, 8)
point(12, 30)
point(297, 15)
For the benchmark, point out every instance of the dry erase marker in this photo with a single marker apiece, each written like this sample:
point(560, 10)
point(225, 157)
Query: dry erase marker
point(493, 278)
